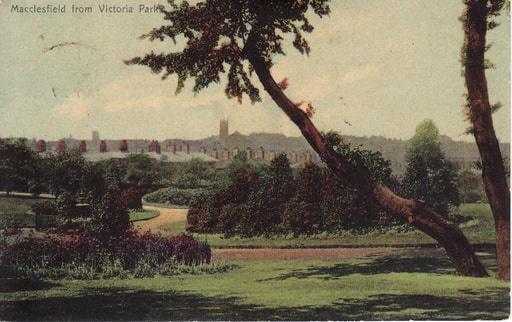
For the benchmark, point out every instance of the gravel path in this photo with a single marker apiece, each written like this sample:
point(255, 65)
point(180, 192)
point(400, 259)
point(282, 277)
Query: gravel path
point(166, 216)
point(310, 253)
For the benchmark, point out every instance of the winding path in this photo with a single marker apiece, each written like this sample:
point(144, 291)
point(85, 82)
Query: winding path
point(166, 216)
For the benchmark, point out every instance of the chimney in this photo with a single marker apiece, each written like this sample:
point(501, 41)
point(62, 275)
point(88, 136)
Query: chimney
point(41, 146)
point(123, 146)
point(82, 147)
point(103, 146)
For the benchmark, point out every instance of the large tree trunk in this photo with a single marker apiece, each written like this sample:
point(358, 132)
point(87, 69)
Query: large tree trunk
point(493, 170)
point(448, 235)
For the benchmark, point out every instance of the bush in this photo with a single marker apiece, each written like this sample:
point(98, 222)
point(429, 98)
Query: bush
point(110, 220)
point(131, 198)
point(173, 196)
point(84, 257)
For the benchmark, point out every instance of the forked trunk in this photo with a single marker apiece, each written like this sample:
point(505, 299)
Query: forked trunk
point(493, 170)
point(448, 235)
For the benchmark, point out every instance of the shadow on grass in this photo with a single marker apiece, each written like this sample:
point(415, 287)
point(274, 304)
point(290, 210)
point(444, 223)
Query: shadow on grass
point(125, 304)
point(9, 285)
point(432, 263)
point(400, 263)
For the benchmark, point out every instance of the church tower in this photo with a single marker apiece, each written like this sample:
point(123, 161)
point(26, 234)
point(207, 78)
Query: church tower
point(224, 130)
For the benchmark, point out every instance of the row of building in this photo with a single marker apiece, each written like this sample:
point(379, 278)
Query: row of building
point(172, 152)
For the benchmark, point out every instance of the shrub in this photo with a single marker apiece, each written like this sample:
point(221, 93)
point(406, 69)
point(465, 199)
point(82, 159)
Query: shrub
point(173, 196)
point(110, 219)
point(84, 257)
point(231, 218)
point(301, 217)
point(131, 197)
point(303, 212)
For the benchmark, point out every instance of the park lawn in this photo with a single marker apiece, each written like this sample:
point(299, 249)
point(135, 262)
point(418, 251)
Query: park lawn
point(479, 230)
point(13, 211)
point(407, 286)
point(142, 214)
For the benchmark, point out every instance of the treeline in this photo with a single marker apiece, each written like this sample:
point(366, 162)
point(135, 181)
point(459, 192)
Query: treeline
point(250, 200)
point(23, 170)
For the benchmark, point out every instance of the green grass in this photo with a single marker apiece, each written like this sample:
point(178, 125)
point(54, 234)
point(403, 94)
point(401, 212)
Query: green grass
point(405, 286)
point(13, 211)
point(174, 228)
point(145, 214)
point(479, 230)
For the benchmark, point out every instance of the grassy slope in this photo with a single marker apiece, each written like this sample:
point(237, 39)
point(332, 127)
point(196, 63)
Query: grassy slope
point(479, 230)
point(389, 287)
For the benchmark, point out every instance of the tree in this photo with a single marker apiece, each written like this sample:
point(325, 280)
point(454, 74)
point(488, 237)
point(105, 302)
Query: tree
point(19, 167)
point(477, 19)
point(429, 176)
point(192, 174)
point(66, 172)
point(303, 213)
point(240, 37)
point(109, 220)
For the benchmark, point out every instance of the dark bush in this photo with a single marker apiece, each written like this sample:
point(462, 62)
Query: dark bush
point(131, 197)
point(44, 254)
point(232, 219)
point(110, 219)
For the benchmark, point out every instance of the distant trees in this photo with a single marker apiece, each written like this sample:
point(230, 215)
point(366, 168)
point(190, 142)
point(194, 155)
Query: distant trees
point(429, 176)
point(470, 186)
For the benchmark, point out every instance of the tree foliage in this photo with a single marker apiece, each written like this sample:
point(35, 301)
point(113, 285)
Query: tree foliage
point(215, 33)
point(20, 168)
point(429, 176)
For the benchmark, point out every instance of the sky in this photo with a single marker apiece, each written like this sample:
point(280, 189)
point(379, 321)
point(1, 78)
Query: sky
point(377, 68)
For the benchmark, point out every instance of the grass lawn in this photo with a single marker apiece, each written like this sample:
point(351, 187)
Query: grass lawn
point(415, 285)
point(13, 211)
point(145, 214)
point(479, 230)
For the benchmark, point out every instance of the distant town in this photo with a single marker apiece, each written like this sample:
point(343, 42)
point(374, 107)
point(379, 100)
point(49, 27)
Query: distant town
point(220, 149)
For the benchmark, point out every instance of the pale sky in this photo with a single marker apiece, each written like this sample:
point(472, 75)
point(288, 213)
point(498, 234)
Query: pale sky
point(393, 62)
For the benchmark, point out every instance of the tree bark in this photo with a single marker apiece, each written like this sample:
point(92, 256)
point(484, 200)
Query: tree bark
point(448, 235)
point(493, 170)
